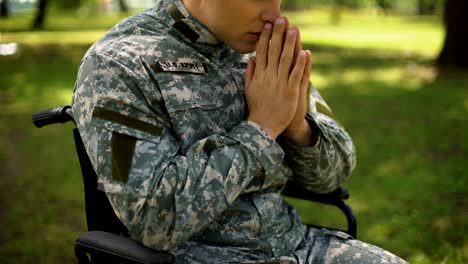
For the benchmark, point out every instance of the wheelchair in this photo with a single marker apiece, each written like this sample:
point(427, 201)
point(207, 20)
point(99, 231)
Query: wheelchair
point(107, 239)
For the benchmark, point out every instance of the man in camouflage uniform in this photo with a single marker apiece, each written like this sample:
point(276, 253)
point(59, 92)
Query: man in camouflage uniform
point(194, 163)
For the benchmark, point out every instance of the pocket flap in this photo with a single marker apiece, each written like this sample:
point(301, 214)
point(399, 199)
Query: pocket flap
point(125, 120)
point(184, 91)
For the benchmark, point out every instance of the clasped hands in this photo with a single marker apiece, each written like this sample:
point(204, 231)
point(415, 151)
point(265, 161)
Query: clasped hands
point(276, 83)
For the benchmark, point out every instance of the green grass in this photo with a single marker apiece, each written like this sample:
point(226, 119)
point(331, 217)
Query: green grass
point(361, 30)
point(409, 126)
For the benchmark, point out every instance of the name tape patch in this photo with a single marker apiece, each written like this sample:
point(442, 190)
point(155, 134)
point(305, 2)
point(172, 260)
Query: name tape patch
point(182, 65)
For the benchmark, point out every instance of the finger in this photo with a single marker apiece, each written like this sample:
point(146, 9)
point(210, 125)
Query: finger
point(262, 46)
point(276, 44)
point(249, 72)
point(306, 77)
point(287, 56)
point(298, 43)
point(286, 27)
point(307, 70)
point(297, 73)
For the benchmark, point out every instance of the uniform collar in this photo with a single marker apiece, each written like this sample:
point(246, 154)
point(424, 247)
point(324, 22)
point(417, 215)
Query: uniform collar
point(189, 29)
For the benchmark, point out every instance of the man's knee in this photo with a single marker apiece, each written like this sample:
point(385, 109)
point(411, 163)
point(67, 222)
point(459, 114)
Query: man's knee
point(338, 247)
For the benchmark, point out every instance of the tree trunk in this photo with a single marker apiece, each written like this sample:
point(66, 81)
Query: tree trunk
point(4, 11)
point(454, 54)
point(40, 15)
point(385, 6)
point(123, 6)
point(427, 7)
point(336, 10)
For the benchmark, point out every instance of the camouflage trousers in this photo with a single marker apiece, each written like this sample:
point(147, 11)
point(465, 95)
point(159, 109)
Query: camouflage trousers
point(319, 247)
point(332, 247)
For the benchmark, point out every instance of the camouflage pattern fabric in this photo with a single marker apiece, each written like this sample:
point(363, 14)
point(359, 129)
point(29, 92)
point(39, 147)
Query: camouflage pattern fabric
point(160, 105)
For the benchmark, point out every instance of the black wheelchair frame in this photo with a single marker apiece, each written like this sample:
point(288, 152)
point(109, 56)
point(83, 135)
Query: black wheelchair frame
point(107, 239)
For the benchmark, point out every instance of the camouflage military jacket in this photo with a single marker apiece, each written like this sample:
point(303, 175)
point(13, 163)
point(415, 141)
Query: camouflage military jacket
point(160, 105)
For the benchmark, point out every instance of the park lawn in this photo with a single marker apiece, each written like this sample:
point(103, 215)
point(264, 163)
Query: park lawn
point(408, 190)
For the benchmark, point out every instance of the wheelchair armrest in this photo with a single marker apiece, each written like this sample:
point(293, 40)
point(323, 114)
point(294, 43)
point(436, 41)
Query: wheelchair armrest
point(295, 190)
point(117, 248)
point(335, 198)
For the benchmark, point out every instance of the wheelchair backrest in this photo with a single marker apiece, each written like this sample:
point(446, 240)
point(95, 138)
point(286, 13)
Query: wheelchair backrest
point(99, 212)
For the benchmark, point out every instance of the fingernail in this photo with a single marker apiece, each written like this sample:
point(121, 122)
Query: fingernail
point(279, 21)
point(302, 53)
point(267, 26)
point(291, 32)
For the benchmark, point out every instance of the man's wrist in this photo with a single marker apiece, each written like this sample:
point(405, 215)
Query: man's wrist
point(271, 132)
point(304, 136)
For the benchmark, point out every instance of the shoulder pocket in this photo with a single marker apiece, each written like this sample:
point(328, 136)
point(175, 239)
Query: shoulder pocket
point(119, 159)
point(126, 151)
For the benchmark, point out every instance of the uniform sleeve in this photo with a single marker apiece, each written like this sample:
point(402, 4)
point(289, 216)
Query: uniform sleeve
point(325, 166)
point(163, 196)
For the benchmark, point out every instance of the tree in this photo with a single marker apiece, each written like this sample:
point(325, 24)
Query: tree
point(4, 11)
point(336, 9)
point(67, 4)
point(123, 6)
point(427, 7)
point(384, 5)
point(295, 4)
point(38, 22)
point(454, 53)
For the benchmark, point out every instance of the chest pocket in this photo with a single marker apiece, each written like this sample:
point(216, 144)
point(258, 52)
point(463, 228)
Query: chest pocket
point(194, 105)
point(182, 91)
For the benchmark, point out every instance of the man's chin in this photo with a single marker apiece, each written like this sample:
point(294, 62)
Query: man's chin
point(244, 48)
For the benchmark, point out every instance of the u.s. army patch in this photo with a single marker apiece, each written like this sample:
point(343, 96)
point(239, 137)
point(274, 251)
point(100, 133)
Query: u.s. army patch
point(181, 65)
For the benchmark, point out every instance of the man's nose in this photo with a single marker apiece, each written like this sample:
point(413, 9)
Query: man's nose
point(271, 11)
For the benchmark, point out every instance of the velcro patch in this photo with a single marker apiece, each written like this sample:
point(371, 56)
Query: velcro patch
point(182, 65)
point(324, 109)
point(122, 147)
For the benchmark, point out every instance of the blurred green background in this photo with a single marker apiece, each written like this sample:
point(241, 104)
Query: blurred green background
point(374, 62)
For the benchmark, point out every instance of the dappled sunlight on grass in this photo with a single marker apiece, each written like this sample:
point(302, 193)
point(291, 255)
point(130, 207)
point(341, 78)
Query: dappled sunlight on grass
point(381, 231)
point(64, 96)
point(360, 30)
point(61, 28)
point(409, 127)
point(412, 77)
point(393, 76)
point(59, 20)
point(42, 76)
point(359, 205)
point(52, 37)
point(420, 257)
point(320, 81)
point(32, 95)
point(59, 97)
point(421, 44)
point(451, 255)
point(409, 133)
